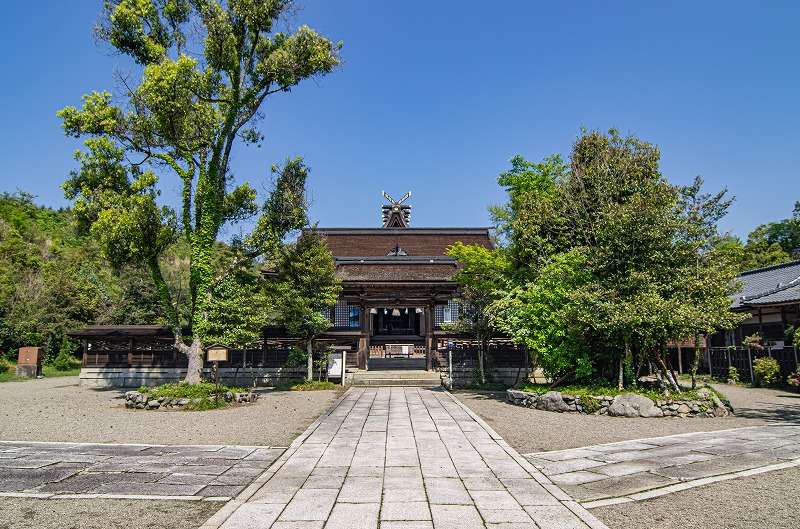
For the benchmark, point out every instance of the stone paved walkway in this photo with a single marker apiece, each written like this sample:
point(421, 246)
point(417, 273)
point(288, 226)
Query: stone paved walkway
point(78, 470)
point(405, 458)
point(646, 468)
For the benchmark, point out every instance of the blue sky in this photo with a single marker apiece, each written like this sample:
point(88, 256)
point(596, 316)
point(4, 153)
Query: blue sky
point(434, 98)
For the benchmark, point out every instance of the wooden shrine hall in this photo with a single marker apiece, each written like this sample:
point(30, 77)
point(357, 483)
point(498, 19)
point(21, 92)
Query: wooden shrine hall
point(397, 287)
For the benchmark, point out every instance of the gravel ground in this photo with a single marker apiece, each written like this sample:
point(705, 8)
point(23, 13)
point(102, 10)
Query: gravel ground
point(529, 430)
point(59, 410)
point(766, 500)
point(28, 513)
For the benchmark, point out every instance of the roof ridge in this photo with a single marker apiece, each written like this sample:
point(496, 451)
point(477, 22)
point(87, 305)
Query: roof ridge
point(794, 282)
point(771, 267)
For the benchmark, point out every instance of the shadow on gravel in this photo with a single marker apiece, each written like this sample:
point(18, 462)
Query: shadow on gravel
point(786, 413)
point(498, 396)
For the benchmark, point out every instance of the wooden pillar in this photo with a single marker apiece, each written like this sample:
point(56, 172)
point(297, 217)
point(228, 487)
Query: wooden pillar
point(429, 345)
point(680, 360)
point(363, 340)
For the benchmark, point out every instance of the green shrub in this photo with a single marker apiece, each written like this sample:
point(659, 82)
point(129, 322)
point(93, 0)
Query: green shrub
point(304, 385)
point(733, 374)
point(64, 361)
point(204, 392)
point(766, 370)
point(5, 365)
point(589, 404)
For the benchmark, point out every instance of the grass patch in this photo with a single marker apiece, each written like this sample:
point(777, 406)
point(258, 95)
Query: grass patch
point(597, 390)
point(202, 394)
point(48, 371)
point(304, 385)
point(488, 386)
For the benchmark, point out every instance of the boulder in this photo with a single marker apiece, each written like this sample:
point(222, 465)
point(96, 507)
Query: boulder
point(633, 405)
point(704, 394)
point(551, 401)
point(719, 407)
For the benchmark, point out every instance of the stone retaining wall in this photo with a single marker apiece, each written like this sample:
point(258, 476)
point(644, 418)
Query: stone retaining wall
point(625, 405)
point(144, 401)
point(134, 377)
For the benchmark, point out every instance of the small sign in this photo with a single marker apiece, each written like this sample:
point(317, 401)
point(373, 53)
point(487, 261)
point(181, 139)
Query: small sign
point(335, 365)
point(217, 353)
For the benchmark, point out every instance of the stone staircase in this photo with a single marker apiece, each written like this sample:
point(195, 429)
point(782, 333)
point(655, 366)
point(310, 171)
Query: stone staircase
point(396, 372)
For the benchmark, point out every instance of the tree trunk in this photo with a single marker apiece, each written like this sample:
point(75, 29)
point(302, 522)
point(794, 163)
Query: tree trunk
point(669, 365)
point(622, 358)
point(195, 354)
point(696, 361)
point(481, 354)
point(663, 368)
point(310, 365)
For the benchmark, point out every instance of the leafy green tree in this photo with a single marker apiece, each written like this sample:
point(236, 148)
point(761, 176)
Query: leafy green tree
point(481, 277)
point(304, 287)
point(608, 261)
point(207, 68)
point(715, 266)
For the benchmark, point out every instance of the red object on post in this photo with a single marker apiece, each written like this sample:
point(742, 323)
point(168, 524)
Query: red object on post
point(29, 362)
point(29, 356)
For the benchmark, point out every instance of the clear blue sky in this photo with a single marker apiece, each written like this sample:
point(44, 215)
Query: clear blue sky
point(434, 97)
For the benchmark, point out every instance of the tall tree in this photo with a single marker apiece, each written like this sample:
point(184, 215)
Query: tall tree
point(207, 68)
point(605, 266)
point(482, 279)
point(303, 289)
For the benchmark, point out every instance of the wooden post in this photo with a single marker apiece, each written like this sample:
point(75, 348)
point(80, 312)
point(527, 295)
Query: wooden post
point(450, 366)
point(680, 360)
point(710, 365)
point(363, 340)
point(216, 375)
point(429, 345)
point(130, 353)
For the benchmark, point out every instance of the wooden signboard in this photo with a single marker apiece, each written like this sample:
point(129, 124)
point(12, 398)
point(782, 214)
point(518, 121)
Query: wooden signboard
point(217, 353)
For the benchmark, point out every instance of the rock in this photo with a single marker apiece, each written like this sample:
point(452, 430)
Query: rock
point(551, 401)
point(183, 402)
point(515, 396)
point(153, 404)
point(683, 408)
point(719, 408)
point(633, 405)
point(704, 394)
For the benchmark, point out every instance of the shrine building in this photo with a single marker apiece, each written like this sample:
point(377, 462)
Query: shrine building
point(397, 287)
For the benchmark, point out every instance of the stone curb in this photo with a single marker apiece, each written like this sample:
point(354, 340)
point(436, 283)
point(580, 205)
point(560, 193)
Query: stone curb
point(678, 487)
point(222, 515)
point(566, 500)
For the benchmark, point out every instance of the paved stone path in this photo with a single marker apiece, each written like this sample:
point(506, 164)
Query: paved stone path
point(78, 470)
point(407, 458)
point(636, 470)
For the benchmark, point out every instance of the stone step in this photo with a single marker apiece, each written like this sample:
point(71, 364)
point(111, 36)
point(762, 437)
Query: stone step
point(396, 378)
point(415, 382)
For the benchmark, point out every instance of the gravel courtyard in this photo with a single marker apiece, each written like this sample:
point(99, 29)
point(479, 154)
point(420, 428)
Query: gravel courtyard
point(58, 410)
point(743, 503)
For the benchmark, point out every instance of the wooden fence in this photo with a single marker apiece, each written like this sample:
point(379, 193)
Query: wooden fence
point(722, 358)
point(467, 358)
point(160, 354)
